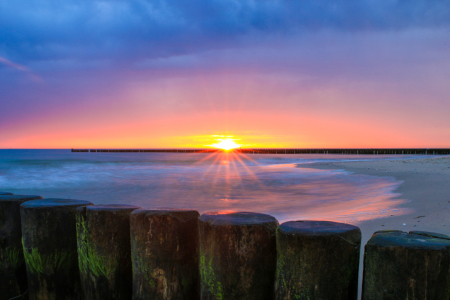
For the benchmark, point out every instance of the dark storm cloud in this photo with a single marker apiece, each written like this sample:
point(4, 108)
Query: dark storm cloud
point(124, 31)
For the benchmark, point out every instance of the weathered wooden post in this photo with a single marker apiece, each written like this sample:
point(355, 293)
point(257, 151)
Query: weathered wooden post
point(104, 251)
point(400, 265)
point(317, 260)
point(237, 256)
point(164, 254)
point(13, 275)
point(50, 248)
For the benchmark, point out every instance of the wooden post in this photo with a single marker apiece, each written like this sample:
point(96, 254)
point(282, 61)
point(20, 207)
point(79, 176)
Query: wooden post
point(238, 256)
point(104, 251)
point(164, 253)
point(50, 248)
point(400, 265)
point(317, 260)
point(13, 274)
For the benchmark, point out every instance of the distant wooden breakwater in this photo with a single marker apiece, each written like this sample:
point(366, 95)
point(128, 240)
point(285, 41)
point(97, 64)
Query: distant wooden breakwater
point(63, 249)
point(373, 151)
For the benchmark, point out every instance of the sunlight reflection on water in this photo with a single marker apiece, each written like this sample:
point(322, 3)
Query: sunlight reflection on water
point(261, 183)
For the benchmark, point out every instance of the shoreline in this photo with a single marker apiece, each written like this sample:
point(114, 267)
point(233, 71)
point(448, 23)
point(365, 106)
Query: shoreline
point(425, 187)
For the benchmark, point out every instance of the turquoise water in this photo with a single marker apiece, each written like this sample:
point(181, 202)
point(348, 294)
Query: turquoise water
point(273, 184)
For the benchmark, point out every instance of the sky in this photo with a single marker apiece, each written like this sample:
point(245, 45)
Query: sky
point(267, 73)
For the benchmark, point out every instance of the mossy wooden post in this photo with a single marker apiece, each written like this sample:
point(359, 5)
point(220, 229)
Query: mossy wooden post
point(237, 256)
point(400, 265)
point(104, 251)
point(164, 254)
point(13, 275)
point(50, 248)
point(317, 260)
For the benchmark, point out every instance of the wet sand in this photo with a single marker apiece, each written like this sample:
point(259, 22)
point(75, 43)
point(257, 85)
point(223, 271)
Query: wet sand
point(426, 186)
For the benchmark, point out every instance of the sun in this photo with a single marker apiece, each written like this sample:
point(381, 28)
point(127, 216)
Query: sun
point(226, 144)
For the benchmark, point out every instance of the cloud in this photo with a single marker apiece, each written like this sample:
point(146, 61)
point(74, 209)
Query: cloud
point(135, 30)
point(11, 64)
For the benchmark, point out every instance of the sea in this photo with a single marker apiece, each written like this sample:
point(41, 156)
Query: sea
point(280, 184)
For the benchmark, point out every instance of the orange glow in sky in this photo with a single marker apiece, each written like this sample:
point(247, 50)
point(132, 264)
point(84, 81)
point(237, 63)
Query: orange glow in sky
point(205, 110)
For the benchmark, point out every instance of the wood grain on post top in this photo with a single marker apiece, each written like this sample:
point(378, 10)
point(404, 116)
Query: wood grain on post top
point(398, 265)
point(50, 248)
point(238, 255)
point(170, 269)
point(13, 275)
point(317, 260)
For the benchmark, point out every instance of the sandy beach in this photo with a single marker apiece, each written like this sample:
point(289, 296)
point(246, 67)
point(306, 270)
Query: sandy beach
point(426, 187)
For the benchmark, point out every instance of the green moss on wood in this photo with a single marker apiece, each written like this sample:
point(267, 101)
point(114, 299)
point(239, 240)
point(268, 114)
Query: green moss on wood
point(10, 257)
point(208, 277)
point(89, 260)
point(46, 264)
